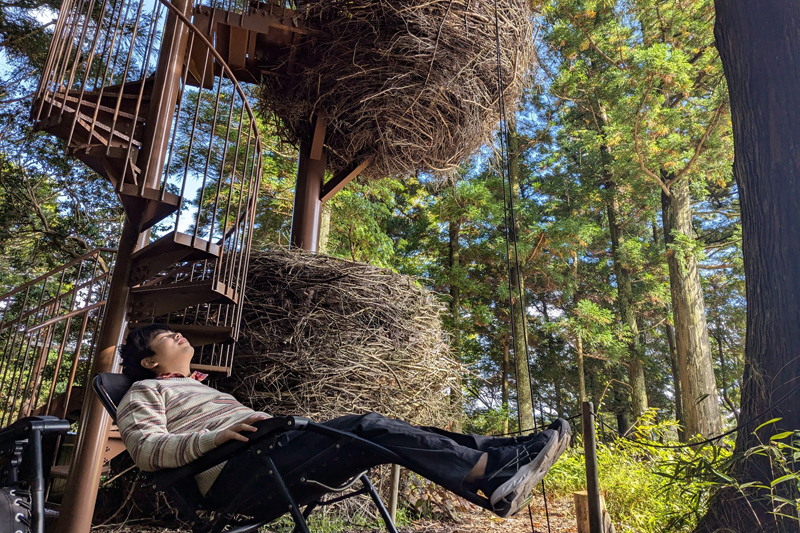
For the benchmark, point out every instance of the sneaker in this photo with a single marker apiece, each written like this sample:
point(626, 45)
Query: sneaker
point(518, 469)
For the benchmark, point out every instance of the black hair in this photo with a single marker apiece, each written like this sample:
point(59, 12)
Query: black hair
point(136, 348)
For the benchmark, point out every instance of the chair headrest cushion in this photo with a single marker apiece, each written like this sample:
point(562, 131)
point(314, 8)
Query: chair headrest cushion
point(114, 386)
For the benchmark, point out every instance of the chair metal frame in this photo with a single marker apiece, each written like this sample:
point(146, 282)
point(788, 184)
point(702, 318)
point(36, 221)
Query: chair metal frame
point(179, 482)
point(21, 444)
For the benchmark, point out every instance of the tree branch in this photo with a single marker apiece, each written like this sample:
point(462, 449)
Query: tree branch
point(594, 45)
point(652, 175)
point(712, 125)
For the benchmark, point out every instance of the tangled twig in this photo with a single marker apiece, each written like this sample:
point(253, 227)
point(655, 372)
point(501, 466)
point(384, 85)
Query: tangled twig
point(412, 83)
point(323, 337)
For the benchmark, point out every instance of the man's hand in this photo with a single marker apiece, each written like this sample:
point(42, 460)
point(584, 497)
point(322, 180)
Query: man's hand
point(234, 432)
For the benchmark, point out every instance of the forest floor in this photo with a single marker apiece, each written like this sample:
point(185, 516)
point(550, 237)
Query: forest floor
point(561, 513)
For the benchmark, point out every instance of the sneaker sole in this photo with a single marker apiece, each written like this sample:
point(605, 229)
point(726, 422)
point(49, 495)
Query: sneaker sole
point(564, 436)
point(509, 497)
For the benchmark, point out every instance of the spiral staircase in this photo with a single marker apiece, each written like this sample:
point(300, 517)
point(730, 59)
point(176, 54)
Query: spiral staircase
point(148, 95)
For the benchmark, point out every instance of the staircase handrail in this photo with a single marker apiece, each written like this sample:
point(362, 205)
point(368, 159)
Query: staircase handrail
point(65, 266)
point(222, 62)
point(46, 303)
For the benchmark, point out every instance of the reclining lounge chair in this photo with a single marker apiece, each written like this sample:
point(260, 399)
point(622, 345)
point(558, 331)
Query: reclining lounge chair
point(263, 499)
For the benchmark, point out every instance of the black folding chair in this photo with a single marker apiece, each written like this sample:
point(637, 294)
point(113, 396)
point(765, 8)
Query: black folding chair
point(281, 492)
point(26, 446)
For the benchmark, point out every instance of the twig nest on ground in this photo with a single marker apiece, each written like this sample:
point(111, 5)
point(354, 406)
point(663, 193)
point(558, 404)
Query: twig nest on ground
point(411, 83)
point(323, 337)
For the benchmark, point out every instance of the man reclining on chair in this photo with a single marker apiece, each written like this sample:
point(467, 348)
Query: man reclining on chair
point(169, 418)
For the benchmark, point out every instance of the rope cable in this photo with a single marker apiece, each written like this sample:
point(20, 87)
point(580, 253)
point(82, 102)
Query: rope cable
point(510, 234)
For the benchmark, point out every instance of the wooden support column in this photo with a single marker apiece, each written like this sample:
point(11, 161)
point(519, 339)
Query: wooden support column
point(308, 190)
point(80, 494)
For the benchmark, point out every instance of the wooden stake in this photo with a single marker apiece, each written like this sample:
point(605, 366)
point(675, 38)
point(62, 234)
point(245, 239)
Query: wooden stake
point(393, 496)
point(592, 480)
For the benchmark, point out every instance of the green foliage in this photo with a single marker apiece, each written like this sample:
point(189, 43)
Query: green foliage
point(490, 421)
point(652, 488)
point(640, 484)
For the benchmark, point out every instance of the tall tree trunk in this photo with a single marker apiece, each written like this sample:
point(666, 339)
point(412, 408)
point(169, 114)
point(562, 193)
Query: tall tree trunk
point(669, 332)
point(524, 396)
point(758, 43)
point(695, 365)
point(456, 395)
point(578, 338)
point(719, 336)
point(324, 228)
point(625, 304)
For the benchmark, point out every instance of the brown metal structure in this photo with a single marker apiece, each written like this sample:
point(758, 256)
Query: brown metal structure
point(147, 94)
point(186, 170)
point(141, 96)
point(47, 332)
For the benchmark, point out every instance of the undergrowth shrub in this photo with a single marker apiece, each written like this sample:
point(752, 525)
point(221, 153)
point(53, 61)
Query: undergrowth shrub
point(646, 489)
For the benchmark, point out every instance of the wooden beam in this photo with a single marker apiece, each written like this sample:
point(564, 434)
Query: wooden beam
point(318, 141)
point(342, 178)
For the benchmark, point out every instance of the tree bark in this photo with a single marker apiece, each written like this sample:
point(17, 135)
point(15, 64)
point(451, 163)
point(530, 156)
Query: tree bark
point(636, 377)
point(578, 338)
point(758, 44)
point(517, 284)
point(456, 396)
point(581, 375)
point(669, 332)
point(324, 228)
point(695, 364)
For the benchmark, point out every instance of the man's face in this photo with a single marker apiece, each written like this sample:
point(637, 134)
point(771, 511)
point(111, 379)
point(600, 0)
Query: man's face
point(172, 352)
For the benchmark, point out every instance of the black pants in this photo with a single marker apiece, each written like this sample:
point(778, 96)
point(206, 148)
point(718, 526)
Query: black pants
point(438, 455)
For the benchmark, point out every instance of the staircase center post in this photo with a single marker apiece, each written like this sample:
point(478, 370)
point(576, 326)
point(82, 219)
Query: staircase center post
point(80, 494)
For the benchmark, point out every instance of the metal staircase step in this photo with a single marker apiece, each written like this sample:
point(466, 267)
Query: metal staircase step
point(213, 372)
point(200, 335)
point(129, 91)
point(173, 248)
point(63, 407)
point(147, 209)
point(61, 125)
point(151, 301)
point(92, 104)
point(268, 28)
point(113, 447)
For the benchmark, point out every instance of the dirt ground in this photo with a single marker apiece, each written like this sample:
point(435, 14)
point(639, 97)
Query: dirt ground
point(561, 513)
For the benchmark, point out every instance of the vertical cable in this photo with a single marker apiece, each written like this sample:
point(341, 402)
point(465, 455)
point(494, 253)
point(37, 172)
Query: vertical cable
point(508, 210)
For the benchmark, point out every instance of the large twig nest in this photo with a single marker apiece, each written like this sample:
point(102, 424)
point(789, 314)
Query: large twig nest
point(322, 337)
point(412, 83)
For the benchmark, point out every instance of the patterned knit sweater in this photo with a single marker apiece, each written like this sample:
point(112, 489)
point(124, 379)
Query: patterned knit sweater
point(168, 423)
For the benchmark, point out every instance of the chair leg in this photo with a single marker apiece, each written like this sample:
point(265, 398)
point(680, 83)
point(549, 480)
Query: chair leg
point(306, 513)
point(37, 483)
point(379, 504)
point(299, 520)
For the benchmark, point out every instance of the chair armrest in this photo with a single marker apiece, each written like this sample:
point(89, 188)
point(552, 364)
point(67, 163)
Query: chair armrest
point(271, 427)
point(21, 429)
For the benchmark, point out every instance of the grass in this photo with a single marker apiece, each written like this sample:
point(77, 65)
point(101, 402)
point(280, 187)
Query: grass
point(643, 494)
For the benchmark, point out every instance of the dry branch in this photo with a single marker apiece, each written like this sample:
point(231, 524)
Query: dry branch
point(322, 337)
point(412, 82)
